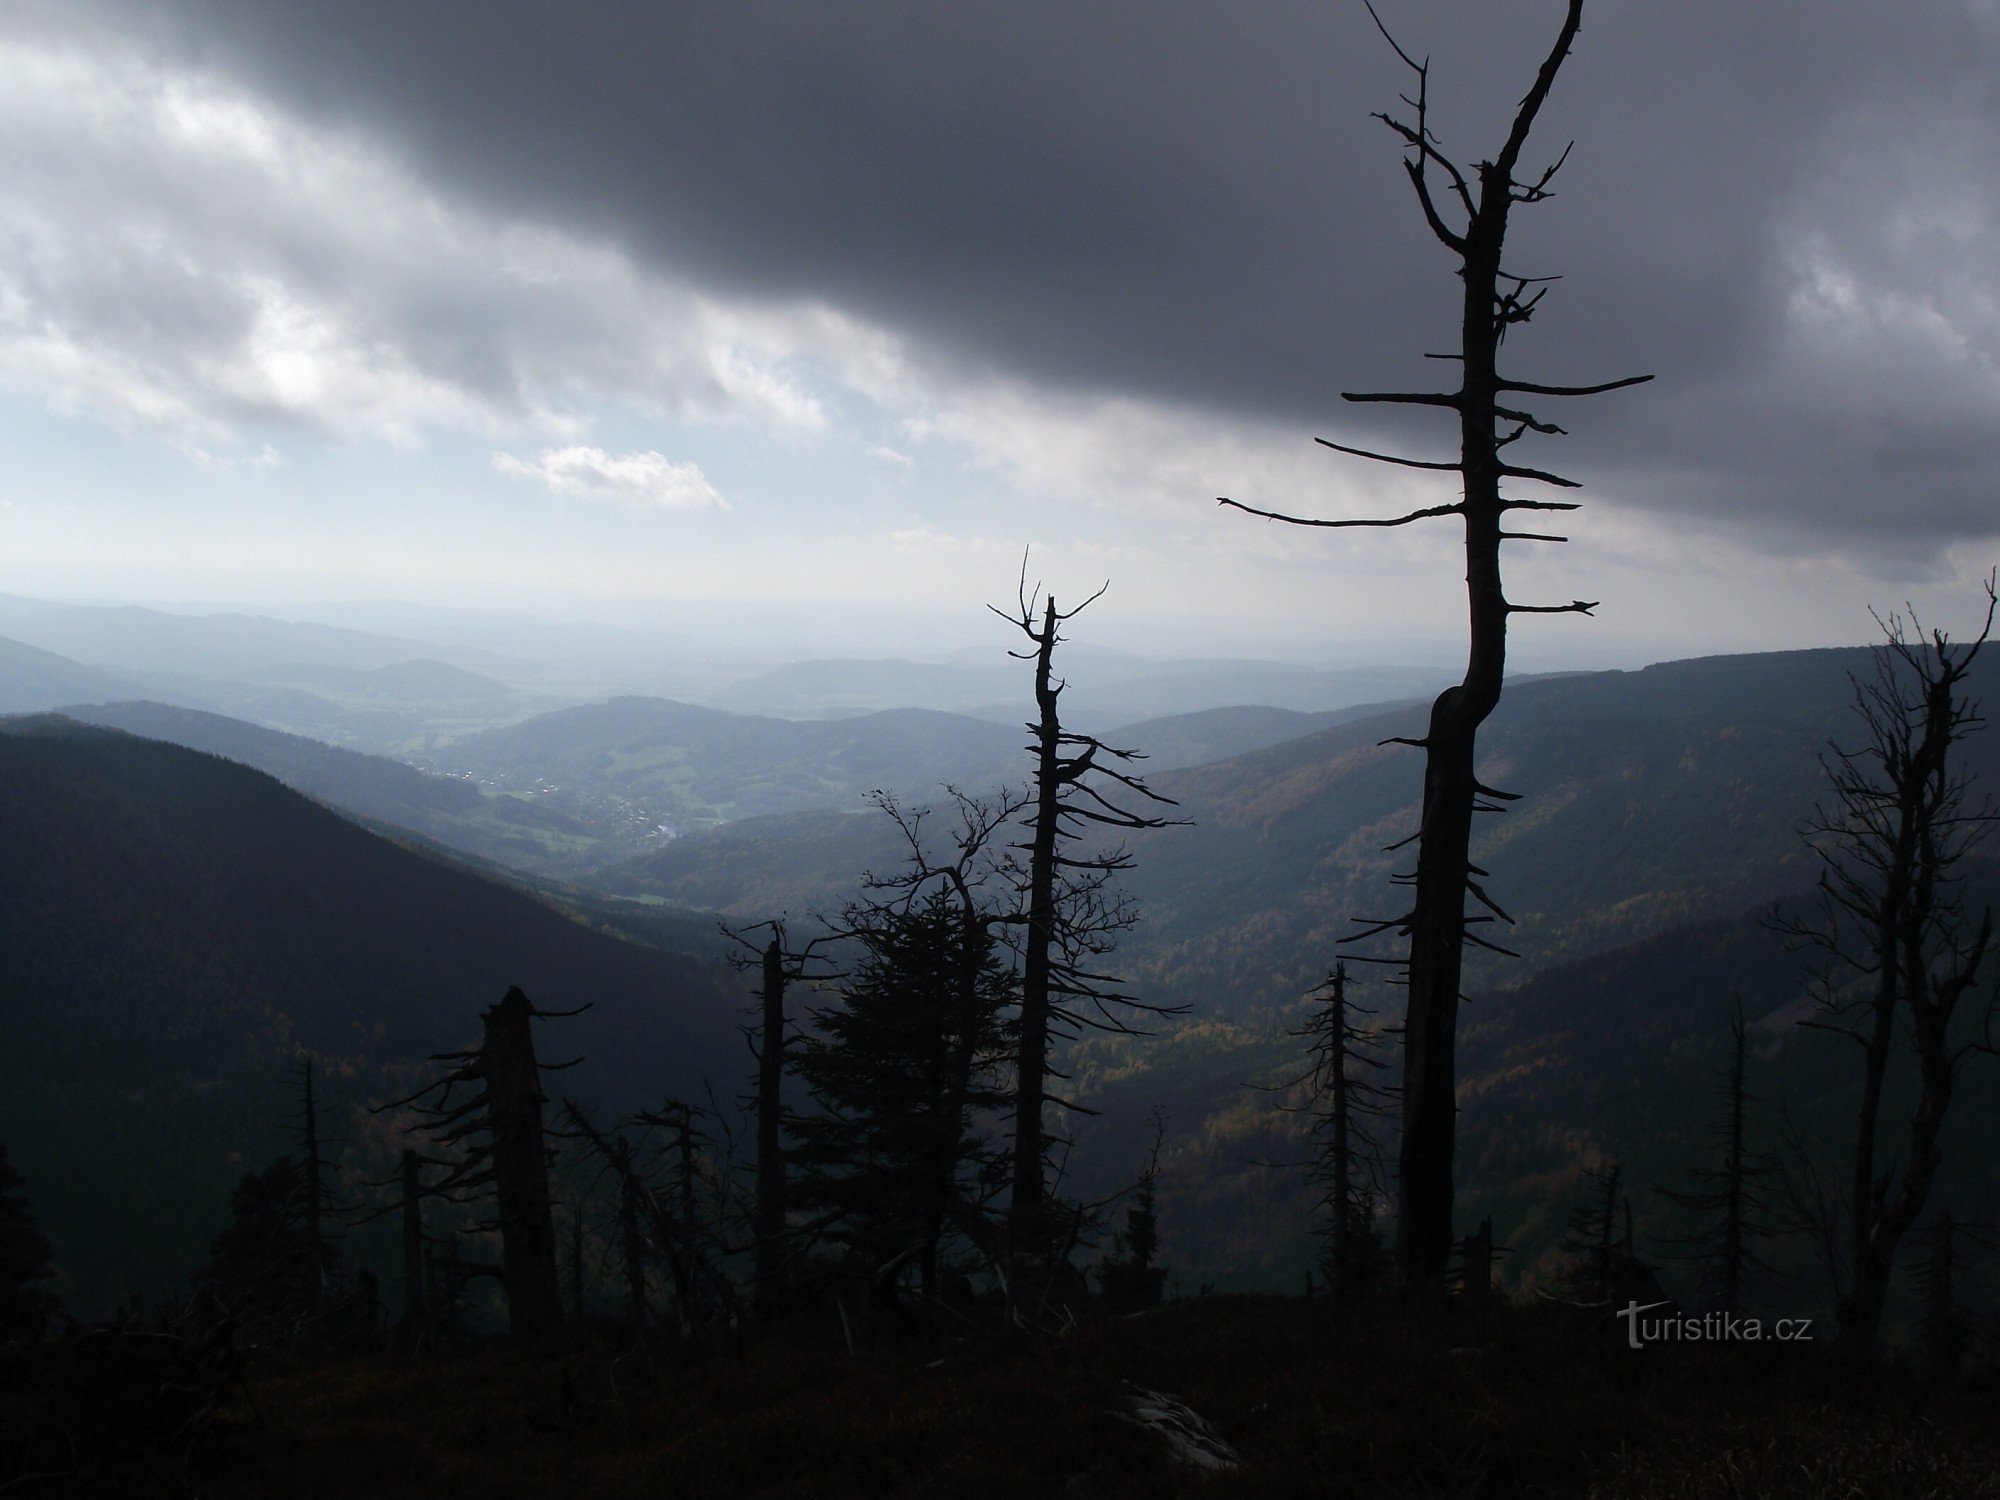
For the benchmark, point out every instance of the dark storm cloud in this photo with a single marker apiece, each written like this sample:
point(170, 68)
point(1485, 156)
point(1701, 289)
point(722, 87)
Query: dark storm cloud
point(1783, 211)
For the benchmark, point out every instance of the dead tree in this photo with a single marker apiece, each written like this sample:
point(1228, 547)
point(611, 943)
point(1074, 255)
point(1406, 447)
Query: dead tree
point(499, 1131)
point(1732, 1194)
point(1596, 1250)
point(1070, 912)
point(679, 1230)
point(321, 1203)
point(415, 1313)
point(1943, 1330)
point(1342, 1101)
point(1491, 418)
point(631, 1239)
point(779, 967)
point(317, 1197)
point(1898, 948)
point(769, 1223)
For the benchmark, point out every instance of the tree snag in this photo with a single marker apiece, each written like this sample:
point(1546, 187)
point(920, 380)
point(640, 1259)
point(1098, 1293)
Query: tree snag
point(1071, 912)
point(507, 1152)
point(1893, 922)
point(1490, 421)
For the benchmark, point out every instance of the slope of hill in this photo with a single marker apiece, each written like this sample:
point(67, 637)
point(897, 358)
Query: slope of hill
point(33, 680)
point(174, 929)
point(523, 833)
point(1659, 807)
point(1178, 741)
point(676, 763)
point(1649, 799)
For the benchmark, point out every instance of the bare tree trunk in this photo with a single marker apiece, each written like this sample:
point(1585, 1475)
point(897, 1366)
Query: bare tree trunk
point(1025, 1205)
point(630, 1241)
point(1343, 1152)
point(521, 1172)
point(1942, 1340)
point(1735, 1170)
point(315, 1193)
point(415, 1315)
point(770, 1207)
point(1492, 302)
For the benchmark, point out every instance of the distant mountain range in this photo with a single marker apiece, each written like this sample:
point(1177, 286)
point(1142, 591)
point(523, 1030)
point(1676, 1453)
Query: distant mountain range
point(1110, 687)
point(175, 929)
point(1649, 799)
point(137, 640)
point(33, 680)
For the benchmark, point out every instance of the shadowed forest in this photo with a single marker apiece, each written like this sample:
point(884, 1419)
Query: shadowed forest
point(1578, 1084)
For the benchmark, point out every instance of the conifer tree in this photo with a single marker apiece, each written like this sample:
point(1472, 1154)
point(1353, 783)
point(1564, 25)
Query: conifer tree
point(265, 1267)
point(900, 1070)
point(26, 1260)
point(1133, 1279)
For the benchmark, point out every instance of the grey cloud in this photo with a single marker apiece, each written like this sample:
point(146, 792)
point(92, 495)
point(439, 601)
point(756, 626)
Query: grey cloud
point(1190, 201)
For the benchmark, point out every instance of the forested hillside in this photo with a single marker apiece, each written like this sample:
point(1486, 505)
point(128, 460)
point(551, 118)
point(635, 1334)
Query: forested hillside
point(174, 929)
point(1657, 825)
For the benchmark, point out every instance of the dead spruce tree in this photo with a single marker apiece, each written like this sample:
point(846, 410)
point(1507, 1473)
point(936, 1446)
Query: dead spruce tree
point(322, 1203)
point(1071, 913)
point(1346, 1168)
point(1899, 950)
point(772, 1041)
point(1491, 418)
point(1730, 1195)
point(502, 1147)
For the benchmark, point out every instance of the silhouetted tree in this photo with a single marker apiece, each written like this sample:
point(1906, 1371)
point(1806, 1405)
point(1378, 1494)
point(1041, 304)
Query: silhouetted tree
point(677, 1220)
point(768, 1222)
point(631, 1236)
point(26, 1260)
point(504, 1148)
point(1944, 1323)
point(1071, 912)
point(1899, 946)
point(1132, 1278)
point(1342, 1101)
point(265, 1269)
point(322, 1202)
point(900, 1070)
point(1603, 1258)
point(1730, 1194)
point(416, 1314)
point(771, 1043)
point(1490, 419)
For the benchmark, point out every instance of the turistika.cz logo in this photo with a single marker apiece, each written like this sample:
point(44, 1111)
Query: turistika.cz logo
point(1708, 1328)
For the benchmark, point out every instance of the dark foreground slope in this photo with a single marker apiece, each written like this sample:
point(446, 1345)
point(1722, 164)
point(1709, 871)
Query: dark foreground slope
point(175, 929)
point(1311, 1400)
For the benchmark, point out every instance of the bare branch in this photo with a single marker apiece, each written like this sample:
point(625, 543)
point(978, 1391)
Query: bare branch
point(1425, 514)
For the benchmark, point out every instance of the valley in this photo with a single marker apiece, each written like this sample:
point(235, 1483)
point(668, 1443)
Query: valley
point(1656, 827)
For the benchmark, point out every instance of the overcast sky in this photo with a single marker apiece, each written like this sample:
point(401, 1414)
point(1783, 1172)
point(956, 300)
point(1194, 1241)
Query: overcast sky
point(536, 304)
